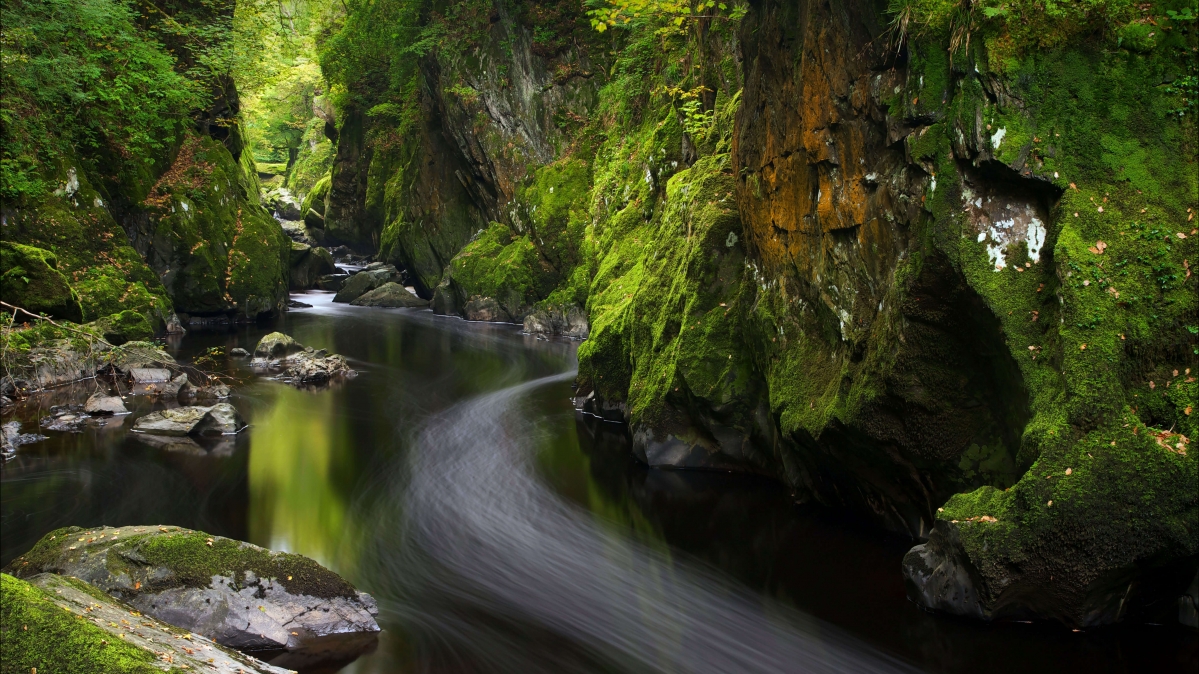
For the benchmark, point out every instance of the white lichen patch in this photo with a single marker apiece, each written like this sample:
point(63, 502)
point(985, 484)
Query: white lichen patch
point(997, 138)
point(999, 220)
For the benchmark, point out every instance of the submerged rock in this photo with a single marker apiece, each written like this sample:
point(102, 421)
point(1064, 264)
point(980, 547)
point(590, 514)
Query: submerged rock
point(66, 419)
point(54, 623)
point(390, 294)
point(238, 594)
point(11, 437)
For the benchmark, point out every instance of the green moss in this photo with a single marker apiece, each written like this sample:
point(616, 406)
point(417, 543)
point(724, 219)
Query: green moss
point(41, 636)
point(125, 326)
point(188, 555)
point(31, 280)
point(315, 198)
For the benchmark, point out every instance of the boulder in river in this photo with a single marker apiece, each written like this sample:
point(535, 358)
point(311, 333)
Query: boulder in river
point(276, 345)
point(102, 403)
point(309, 264)
point(238, 352)
point(238, 594)
point(298, 364)
point(55, 623)
point(390, 294)
point(365, 281)
point(221, 418)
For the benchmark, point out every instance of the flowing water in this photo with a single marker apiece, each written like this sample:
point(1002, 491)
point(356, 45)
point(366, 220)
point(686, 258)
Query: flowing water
point(502, 532)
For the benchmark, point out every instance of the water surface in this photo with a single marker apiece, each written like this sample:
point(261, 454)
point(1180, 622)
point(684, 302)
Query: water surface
point(500, 531)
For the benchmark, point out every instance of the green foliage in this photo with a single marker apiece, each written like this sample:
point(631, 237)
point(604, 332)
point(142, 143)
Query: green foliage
point(607, 14)
point(80, 76)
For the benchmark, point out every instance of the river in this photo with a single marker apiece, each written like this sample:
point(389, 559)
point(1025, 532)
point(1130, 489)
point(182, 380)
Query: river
point(502, 532)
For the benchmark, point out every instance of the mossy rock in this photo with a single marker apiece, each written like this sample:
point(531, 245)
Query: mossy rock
point(61, 624)
point(217, 248)
point(31, 280)
point(126, 326)
point(202, 583)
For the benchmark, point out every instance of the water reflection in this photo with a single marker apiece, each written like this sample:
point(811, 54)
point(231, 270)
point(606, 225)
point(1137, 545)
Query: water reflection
point(297, 476)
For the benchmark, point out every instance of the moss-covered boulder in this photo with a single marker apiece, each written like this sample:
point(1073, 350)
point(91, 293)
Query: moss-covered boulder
point(218, 250)
point(391, 295)
point(238, 594)
point(31, 280)
point(54, 623)
point(308, 264)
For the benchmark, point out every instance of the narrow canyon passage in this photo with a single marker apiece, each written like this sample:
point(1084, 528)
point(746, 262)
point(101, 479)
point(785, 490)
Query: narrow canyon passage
point(501, 531)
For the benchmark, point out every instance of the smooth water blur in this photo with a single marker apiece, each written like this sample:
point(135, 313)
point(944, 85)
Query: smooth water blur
point(500, 531)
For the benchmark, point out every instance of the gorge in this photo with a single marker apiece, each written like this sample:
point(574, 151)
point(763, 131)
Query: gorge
point(925, 266)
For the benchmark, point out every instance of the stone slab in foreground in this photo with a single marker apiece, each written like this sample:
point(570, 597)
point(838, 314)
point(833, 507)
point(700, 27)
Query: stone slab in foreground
point(238, 594)
point(54, 623)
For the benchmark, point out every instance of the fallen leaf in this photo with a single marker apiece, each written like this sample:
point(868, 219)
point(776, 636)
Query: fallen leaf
point(1082, 347)
point(1152, 385)
point(1049, 504)
point(1069, 471)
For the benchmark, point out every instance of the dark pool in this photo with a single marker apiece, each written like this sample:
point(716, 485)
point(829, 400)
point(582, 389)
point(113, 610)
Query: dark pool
point(500, 531)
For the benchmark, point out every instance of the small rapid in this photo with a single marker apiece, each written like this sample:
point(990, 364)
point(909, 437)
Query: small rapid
point(484, 536)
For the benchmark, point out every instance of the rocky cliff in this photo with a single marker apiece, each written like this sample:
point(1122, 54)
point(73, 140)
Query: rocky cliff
point(939, 280)
point(122, 161)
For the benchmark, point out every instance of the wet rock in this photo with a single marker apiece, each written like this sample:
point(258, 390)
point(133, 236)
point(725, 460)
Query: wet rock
point(222, 419)
point(314, 220)
point(155, 381)
point(102, 403)
point(238, 352)
point(215, 391)
point(485, 309)
point(938, 577)
point(48, 605)
point(11, 437)
point(332, 282)
point(238, 594)
point(365, 281)
point(276, 345)
point(66, 419)
point(390, 295)
point(297, 364)
point(305, 368)
point(564, 321)
point(179, 421)
point(308, 265)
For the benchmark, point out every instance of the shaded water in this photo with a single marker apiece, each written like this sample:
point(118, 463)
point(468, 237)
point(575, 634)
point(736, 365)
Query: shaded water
point(501, 532)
